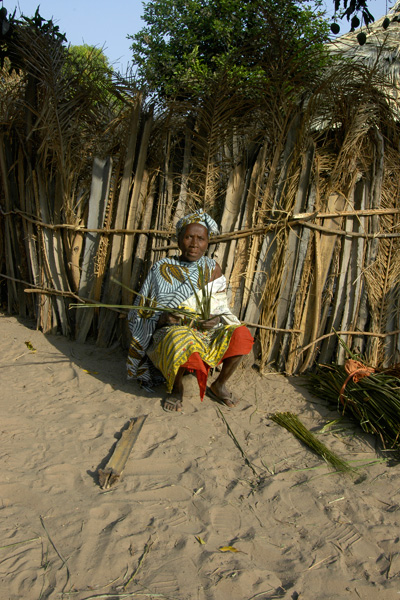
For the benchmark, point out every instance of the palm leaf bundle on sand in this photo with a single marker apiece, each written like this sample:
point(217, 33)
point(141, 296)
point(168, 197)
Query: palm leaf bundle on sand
point(369, 395)
point(292, 423)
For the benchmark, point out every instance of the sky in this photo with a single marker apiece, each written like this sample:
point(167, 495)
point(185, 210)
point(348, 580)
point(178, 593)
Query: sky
point(106, 24)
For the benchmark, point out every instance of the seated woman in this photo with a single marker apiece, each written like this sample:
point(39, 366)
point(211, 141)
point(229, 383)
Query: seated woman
point(175, 344)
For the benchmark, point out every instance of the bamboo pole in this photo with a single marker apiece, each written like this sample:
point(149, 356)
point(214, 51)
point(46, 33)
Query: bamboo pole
point(232, 242)
point(344, 233)
point(293, 260)
point(233, 198)
point(163, 210)
point(37, 289)
point(114, 468)
point(355, 274)
point(299, 316)
point(328, 256)
point(244, 246)
point(52, 255)
point(81, 229)
point(365, 212)
point(183, 192)
point(26, 266)
point(372, 334)
point(373, 346)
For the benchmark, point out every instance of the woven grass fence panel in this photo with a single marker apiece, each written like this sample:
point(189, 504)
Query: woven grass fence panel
point(310, 229)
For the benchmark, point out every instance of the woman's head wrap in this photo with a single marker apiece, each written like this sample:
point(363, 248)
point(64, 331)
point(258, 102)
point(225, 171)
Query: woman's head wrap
point(200, 217)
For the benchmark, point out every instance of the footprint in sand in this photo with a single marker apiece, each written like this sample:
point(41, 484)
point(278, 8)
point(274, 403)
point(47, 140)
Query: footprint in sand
point(170, 575)
point(58, 479)
point(103, 542)
point(225, 523)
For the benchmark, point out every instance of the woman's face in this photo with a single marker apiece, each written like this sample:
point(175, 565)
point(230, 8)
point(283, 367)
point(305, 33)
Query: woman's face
point(193, 242)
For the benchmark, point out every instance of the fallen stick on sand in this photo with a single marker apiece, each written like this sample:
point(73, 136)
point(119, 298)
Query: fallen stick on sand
point(113, 469)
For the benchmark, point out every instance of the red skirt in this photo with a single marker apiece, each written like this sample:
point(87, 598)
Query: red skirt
point(241, 343)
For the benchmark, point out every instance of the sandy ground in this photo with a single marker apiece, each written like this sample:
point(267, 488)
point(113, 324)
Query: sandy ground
point(300, 531)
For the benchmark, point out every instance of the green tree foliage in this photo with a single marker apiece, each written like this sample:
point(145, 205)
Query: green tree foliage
point(186, 44)
point(87, 67)
point(89, 62)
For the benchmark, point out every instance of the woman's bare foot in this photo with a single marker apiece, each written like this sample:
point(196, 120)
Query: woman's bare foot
point(174, 402)
point(221, 393)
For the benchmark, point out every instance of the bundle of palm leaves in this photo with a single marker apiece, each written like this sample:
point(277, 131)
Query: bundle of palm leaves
point(203, 299)
point(372, 397)
point(292, 423)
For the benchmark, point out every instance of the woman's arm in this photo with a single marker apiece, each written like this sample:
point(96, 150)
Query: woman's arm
point(216, 273)
point(214, 320)
point(168, 319)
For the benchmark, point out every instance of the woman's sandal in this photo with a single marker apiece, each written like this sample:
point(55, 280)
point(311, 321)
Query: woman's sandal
point(230, 401)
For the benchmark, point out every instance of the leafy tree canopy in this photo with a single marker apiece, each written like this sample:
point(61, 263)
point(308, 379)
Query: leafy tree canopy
point(87, 67)
point(187, 43)
point(88, 63)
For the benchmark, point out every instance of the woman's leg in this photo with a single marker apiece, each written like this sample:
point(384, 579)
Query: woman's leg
point(241, 343)
point(170, 350)
point(175, 400)
point(218, 387)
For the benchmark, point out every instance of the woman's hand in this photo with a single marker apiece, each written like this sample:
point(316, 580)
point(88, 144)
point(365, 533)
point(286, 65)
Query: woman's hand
point(210, 323)
point(168, 319)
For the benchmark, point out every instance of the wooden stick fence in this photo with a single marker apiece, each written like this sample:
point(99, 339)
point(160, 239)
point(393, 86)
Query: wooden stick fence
point(309, 243)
